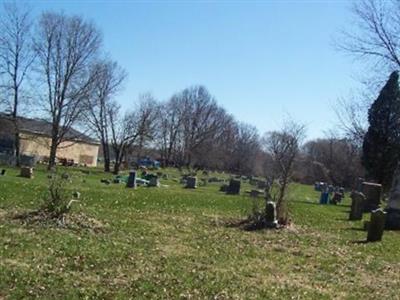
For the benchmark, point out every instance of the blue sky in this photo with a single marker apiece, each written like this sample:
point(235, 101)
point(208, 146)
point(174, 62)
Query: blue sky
point(262, 60)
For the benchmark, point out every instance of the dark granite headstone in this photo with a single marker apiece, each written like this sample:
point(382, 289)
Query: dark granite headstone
point(376, 225)
point(131, 183)
point(372, 192)
point(234, 187)
point(191, 182)
point(357, 205)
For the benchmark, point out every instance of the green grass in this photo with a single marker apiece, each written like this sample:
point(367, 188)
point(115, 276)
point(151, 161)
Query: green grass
point(170, 242)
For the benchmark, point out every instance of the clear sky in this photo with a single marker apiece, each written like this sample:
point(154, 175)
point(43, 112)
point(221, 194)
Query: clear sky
point(262, 60)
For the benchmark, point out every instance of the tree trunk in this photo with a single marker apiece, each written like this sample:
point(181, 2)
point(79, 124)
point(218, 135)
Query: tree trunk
point(106, 156)
point(53, 153)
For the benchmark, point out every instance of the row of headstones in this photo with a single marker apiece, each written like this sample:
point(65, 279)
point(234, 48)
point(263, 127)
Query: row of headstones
point(368, 199)
point(131, 183)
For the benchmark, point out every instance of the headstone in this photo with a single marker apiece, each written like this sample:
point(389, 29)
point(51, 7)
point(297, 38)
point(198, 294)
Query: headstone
point(372, 192)
point(26, 172)
point(255, 193)
point(357, 205)
point(191, 182)
point(131, 183)
point(3, 172)
point(154, 182)
point(376, 225)
point(234, 187)
point(393, 205)
point(261, 184)
point(270, 215)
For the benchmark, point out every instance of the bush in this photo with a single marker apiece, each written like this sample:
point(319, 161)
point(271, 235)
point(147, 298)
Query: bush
point(57, 201)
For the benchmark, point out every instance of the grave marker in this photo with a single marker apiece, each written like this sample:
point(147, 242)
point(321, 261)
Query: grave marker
point(131, 183)
point(376, 225)
point(191, 182)
point(357, 205)
point(372, 192)
point(234, 187)
point(26, 172)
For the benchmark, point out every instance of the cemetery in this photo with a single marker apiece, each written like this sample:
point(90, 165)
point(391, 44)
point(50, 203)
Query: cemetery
point(191, 150)
point(175, 241)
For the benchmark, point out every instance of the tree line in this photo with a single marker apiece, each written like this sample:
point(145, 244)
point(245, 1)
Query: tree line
point(57, 64)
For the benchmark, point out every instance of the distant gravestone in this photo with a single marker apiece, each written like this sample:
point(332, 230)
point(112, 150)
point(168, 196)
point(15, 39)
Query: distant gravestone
point(357, 206)
point(376, 225)
point(270, 215)
point(234, 187)
point(359, 185)
point(255, 193)
point(154, 182)
point(262, 184)
point(3, 172)
point(26, 172)
point(131, 183)
point(191, 182)
point(372, 192)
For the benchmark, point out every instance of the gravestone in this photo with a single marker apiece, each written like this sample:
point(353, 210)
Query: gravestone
point(26, 172)
point(191, 182)
point(3, 172)
point(234, 187)
point(376, 225)
point(131, 183)
point(372, 192)
point(393, 205)
point(270, 215)
point(262, 184)
point(357, 206)
point(255, 193)
point(154, 182)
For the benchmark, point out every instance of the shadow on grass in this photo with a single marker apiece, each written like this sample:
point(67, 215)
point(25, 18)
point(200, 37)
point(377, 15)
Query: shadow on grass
point(249, 225)
point(355, 229)
point(360, 242)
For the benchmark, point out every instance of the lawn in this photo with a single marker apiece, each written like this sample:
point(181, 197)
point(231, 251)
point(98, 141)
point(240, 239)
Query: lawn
point(170, 242)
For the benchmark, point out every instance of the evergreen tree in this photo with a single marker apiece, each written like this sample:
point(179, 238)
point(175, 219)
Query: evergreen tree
point(381, 147)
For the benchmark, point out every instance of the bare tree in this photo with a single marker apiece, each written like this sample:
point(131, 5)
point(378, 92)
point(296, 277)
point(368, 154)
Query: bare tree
point(282, 147)
point(377, 37)
point(108, 80)
point(66, 47)
point(16, 57)
point(132, 129)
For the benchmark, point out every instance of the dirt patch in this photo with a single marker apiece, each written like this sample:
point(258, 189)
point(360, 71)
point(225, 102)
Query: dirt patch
point(74, 221)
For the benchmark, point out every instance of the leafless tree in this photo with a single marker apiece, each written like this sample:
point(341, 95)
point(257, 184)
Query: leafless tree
point(66, 47)
point(16, 57)
point(283, 147)
point(132, 129)
point(377, 34)
point(108, 78)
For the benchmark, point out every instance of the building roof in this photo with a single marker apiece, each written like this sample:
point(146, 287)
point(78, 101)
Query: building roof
point(43, 127)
